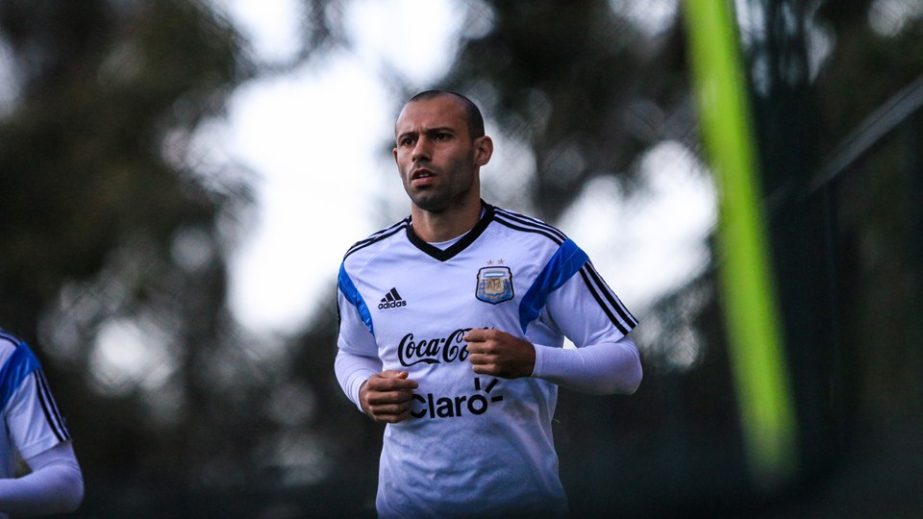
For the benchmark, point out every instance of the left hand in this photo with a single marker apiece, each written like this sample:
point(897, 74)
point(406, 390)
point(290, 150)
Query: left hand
point(497, 353)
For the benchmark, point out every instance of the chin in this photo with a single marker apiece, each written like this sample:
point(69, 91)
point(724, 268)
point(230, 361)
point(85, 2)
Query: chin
point(431, 206)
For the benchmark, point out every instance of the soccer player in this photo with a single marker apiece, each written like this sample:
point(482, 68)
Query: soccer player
point(452, 324)
point(33, 429)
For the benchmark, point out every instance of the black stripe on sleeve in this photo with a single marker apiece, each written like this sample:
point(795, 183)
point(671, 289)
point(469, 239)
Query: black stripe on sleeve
point(530, 222)
point(553, 237)
point(54, 404)
point(602, 304)
point(378, 234)
point(49, 408)
point(377, 237)
point(56, 412)
point(611, 297)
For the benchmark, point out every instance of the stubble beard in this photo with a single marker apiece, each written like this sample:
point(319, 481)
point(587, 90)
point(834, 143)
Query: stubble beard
point(439, 202)
point(439, 199)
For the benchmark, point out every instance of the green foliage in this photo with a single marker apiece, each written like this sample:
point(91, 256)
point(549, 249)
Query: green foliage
point(95, 196)
point(83, 167)
point(585, 89)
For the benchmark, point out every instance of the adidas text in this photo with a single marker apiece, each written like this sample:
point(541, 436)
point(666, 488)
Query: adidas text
point(392, 300)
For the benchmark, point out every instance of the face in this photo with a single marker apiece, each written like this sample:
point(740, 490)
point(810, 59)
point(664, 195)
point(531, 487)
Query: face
point(436, 157)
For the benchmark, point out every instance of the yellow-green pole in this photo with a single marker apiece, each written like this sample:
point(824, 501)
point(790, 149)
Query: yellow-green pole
point(756, 351)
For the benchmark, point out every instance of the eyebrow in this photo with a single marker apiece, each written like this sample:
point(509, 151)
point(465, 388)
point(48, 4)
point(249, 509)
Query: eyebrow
point(429, 131)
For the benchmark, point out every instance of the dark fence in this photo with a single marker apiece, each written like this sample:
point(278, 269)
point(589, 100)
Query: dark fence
point(847, 244)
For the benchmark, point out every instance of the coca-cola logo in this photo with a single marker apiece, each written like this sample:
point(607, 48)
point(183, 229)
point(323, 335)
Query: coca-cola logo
point(433, 351)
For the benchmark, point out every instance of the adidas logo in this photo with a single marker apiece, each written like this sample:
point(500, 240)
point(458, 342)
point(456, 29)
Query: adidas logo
point(391, 300)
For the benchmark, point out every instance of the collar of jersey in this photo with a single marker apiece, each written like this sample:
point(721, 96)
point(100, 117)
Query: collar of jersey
point(460, 245)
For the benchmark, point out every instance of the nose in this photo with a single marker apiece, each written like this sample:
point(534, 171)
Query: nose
point(421, 150)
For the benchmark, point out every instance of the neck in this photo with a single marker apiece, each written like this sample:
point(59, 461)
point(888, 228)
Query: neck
point(445, 225)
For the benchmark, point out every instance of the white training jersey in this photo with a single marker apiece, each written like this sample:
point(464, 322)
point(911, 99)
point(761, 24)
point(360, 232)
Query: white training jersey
point(475, 445)
point(31, 421)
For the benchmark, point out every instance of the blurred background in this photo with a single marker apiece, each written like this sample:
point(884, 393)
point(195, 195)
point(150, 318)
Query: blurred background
point(179, 180)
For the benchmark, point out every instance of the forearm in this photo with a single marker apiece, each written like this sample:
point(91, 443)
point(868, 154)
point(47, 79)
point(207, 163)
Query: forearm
point(352, 370)
point(604, 368)
point(54, 486)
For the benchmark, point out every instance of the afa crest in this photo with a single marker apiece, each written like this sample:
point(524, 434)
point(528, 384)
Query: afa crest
point(495, 285)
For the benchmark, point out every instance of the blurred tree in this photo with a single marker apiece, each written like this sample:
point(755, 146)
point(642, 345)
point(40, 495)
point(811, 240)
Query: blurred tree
point(587, 92)
point(874, 208)
point(808, 60)
point(115, 239)
point(106, 226)
point(583, 86)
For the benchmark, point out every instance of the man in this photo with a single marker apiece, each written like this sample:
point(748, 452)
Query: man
point(33, 429)
point(452, 323)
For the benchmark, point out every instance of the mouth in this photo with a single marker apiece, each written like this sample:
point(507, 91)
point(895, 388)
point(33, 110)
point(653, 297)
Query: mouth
point(422, 177)
point(420, 173)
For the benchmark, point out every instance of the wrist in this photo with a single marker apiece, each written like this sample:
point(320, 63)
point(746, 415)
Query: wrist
point(538, 363)
point(360, 398)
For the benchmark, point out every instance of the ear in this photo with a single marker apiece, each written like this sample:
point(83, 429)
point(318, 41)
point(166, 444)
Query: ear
point(483, 149)
point(394, 154)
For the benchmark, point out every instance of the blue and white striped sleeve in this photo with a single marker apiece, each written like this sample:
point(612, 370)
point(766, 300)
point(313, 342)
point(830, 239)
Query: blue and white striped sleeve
point(357, 355)
point(589, 313)
point(31, 414)
point(356, 330)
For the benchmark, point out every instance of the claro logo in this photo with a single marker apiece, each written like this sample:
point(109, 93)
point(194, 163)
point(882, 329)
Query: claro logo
point(460, 405)
point(450, 348)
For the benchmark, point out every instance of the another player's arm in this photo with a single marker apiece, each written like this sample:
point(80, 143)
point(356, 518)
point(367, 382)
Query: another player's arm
point(55, 485)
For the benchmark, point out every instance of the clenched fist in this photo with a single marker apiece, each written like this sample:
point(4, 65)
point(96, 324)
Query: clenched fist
point(497, 353)
point(386, 396)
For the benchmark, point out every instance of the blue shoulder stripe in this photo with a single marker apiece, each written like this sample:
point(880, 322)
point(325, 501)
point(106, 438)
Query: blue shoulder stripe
point(20, 365)
point(566, 262)
point(353, 296)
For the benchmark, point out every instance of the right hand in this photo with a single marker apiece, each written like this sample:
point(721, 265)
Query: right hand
point(386, 396)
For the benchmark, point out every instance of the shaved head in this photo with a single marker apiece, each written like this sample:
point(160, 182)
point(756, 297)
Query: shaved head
point(473, 117)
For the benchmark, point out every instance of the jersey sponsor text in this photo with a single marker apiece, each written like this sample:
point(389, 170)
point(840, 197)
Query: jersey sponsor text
point(433, 351)
point(454, 407)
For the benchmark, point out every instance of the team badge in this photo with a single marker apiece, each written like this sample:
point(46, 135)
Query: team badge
point(495, 285)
